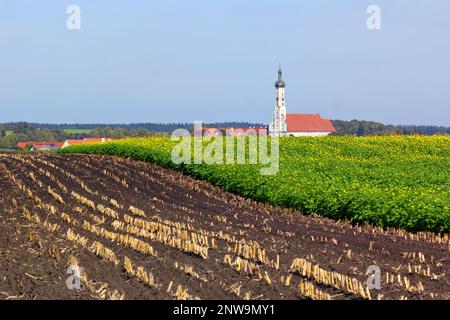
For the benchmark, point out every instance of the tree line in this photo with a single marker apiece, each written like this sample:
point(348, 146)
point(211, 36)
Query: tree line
point(11, 133)
point(370, 128)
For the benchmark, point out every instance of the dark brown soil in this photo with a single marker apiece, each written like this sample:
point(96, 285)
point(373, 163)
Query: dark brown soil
point(30, 269)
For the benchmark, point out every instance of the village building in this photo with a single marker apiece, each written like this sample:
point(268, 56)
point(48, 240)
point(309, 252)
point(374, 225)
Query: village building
point(296, 125)
point(29, 144)
point(44, 147)
point(68, 143)
point(234, 132)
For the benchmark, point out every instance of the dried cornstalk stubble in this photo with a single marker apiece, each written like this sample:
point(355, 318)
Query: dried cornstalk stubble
point(139, 273)
point(330, 278)
point(309, 290)
point(104, 252)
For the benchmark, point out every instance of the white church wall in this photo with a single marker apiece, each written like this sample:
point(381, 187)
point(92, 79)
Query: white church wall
point(308, 134)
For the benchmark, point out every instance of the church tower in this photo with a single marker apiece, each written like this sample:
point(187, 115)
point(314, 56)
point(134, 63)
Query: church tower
point(278, 125)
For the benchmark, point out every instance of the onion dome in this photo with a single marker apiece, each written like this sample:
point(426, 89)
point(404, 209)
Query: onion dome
point(280, 83)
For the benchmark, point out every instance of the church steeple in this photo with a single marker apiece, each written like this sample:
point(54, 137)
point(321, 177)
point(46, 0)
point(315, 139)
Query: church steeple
point(278, 125)
point(280, 83)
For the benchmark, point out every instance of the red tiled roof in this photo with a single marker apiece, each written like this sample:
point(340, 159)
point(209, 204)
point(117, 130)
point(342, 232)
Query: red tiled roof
point(23, 145)
point(211, 132)
point(308, 123)
point(246, 131)
point(214, 132)
point(58, 144)
point(38, 146)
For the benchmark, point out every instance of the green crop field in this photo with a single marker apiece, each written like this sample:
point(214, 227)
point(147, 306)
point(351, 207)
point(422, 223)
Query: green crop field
point(77, 131)
point(391, 181)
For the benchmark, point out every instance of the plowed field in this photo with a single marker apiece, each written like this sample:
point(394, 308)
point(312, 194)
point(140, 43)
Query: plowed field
point(138, 231)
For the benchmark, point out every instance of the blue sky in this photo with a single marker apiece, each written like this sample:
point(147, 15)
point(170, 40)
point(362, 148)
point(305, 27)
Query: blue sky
point(186, 60)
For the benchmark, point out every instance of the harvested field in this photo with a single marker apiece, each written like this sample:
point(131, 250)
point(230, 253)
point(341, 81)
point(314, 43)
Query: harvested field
point(138, 231)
